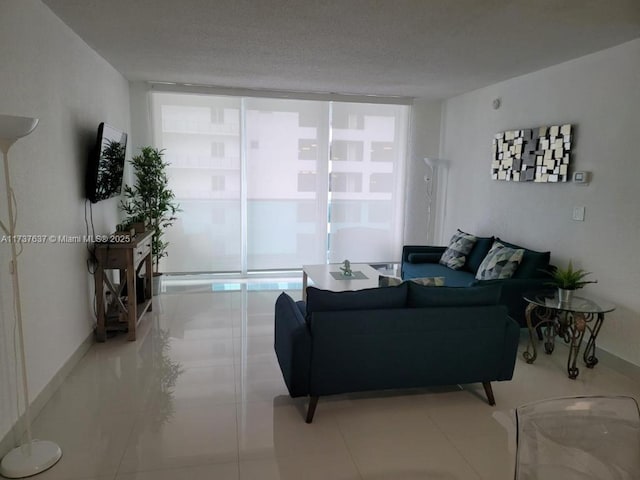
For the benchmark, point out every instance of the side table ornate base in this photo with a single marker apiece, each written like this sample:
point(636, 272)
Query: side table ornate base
point(569, 321)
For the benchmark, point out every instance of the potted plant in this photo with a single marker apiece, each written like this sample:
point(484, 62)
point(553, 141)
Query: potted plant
point(150, 199)
point(567, 280)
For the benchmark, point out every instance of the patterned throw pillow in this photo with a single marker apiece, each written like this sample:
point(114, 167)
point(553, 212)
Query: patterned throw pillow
point(500, 262)
point(459, 247)
point(429, 281)
point(384, 281)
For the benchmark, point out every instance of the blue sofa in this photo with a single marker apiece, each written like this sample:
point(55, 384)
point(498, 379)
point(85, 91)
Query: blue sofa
point(393, 337)
point(422, 261)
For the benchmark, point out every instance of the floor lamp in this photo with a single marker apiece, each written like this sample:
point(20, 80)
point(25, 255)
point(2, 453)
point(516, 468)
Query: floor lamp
point(436, 182)
point(429, 181)
point(33, 456)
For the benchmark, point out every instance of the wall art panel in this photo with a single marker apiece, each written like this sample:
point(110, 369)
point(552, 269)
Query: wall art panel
point(532, 155)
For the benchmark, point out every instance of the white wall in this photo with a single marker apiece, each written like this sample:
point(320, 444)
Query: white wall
point(600, 95)
point(49, 73)
point(141, 124)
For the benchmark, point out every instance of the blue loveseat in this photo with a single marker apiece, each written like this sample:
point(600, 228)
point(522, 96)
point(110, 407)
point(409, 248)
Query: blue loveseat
point(422, 261)
point(393, 337)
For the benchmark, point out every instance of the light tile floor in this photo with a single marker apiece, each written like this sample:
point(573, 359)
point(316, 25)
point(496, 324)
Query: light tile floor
point(199, 395)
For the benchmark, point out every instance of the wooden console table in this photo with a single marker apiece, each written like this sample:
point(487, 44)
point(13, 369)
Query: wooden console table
point(128, 258)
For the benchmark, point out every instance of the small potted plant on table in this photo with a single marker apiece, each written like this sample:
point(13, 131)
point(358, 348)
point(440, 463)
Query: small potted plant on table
point(151, 199)
point(568, 280)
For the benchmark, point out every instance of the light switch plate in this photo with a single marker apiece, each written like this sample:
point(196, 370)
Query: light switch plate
point(578, 214)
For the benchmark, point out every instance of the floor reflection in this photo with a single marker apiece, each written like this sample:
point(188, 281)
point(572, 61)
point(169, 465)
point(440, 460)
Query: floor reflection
point(200, 395)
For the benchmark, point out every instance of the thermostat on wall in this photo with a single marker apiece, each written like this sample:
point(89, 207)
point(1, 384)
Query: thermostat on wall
point(581, 178)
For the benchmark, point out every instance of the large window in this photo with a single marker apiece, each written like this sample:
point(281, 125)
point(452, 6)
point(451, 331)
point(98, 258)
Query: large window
point(270, 183)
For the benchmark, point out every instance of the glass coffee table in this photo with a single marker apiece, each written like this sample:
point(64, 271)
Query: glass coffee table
point(569, 321)
point(330, 277)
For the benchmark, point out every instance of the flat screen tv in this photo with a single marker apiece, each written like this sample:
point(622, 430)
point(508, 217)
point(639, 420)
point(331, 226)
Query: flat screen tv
point(106, 164)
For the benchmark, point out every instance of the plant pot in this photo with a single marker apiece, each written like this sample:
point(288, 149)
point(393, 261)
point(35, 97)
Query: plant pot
point(157, 283)
point(138, 227)
point(565, 296)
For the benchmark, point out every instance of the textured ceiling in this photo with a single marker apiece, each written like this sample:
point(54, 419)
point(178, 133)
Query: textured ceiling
point(415, 48)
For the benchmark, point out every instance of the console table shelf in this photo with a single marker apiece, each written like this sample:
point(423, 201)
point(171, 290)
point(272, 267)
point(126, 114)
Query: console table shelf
point(128, 258)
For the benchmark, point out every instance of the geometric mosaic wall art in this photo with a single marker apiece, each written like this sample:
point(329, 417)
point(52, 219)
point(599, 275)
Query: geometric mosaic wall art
point(532, 155)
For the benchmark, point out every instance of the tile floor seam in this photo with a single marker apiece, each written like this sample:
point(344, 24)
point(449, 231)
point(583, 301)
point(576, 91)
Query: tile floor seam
point(349, 451)
point(455, 447)
point(466, 460)
point(174, 467)
point(126, 444)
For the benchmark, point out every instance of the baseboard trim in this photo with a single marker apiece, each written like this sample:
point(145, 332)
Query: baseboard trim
point(622, 366)
point(12, 437)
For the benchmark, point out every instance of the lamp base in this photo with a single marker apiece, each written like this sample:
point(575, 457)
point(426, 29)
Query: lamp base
point(18, 463)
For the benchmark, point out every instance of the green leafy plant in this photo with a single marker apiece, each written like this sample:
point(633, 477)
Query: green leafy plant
point(569, 279)
point(150, 199)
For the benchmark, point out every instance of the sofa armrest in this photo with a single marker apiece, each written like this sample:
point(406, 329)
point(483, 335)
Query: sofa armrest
point(510, 349)
point(420, 254)
point(292, 345)
point(424, 257)
point(417, 251)
point(513, 290)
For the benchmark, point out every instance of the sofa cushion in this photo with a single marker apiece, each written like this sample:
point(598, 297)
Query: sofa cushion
point(319, 300)
point(533, 263)
point(385, 281)
point(420, 296)
point(477, 253)
point(459, 247)
point(501, 262)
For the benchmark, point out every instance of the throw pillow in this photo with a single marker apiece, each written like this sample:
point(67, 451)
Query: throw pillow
point(429, 281)
point(477, 253)
point(533, 264)
point(384, 281)
point(459, 247)
point(501, 262)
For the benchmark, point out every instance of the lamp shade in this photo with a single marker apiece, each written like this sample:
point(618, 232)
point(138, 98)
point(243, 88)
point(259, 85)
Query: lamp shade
point(12, 128)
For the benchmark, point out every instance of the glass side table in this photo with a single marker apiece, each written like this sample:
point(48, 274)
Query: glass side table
point(569, 321)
